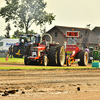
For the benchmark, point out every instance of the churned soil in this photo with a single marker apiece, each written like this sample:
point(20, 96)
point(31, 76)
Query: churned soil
point(78, 84)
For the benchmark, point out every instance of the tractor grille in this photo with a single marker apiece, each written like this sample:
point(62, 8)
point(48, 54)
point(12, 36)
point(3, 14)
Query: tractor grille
point(33, 52)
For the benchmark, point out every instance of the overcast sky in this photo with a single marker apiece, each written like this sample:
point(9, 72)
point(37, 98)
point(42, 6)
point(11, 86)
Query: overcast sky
point(72, 13)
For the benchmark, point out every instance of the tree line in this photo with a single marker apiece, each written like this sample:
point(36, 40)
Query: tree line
point(24, 13)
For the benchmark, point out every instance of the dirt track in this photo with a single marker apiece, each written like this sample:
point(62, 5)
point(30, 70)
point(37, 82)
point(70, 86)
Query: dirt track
point(50, 85)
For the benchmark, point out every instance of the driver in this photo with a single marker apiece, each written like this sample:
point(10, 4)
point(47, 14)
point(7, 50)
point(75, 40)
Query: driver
point(44, 42)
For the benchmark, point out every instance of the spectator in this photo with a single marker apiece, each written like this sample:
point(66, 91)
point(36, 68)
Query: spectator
point(96, 48)
point(10, 50)
point(65, 43)
point(86, 49)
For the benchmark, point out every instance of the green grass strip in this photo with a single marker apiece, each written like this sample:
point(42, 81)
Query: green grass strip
point(41, 68)
point(12, 60)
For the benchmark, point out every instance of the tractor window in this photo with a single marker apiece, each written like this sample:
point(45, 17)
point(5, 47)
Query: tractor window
point(1, 44)
point(24, 39)
point(33, 39)
point(72, 41)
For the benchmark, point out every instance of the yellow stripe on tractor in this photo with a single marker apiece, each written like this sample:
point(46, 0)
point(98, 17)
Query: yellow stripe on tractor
point(18, 53)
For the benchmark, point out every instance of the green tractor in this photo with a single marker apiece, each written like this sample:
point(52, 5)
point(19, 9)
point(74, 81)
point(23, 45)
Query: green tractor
point(94, 53)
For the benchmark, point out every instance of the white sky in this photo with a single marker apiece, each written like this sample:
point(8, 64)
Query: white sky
point(72, 13)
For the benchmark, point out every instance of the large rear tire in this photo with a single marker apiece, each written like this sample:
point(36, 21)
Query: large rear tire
point(83, 56)
point(22, 53)
point(27, 49)
point(60, 56)
point(15, 50)
point(52, 55)
point(26, 60)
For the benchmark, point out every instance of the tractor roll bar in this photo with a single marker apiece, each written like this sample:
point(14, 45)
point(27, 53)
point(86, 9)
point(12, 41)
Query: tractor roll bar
point(47, 35)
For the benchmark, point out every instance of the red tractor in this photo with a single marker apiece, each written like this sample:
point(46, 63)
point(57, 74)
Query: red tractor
point(73, 53)
point(37, 53)
point(55, 54)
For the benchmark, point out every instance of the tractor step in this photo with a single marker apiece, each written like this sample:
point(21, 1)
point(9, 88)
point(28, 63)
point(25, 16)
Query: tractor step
point(96, 64)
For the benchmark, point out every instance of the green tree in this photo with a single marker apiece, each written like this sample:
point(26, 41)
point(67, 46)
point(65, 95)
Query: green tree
point(26, 12)
point(32, 32)
point(17, 33)
point(8, 28)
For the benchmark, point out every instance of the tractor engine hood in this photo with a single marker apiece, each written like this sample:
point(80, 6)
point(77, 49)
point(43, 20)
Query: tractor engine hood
point(38, 46)
point(37, 51)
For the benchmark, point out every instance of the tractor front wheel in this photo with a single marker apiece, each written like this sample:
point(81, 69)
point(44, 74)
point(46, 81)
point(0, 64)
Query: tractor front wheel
point(83, 56)
point(45, 60)
point(61, 55)
point(26, 61)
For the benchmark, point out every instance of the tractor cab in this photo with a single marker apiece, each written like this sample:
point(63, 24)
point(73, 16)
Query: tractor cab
point(72, 41)
point(36, 38)
point(26, 38)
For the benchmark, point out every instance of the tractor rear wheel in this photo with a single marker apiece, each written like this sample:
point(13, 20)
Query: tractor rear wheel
point(21, 52)
point(27, 49)
point(83, 56)
point(15, 50)
point(56, 55)
point(26, 60)
point(52, 55)
point(60, 56)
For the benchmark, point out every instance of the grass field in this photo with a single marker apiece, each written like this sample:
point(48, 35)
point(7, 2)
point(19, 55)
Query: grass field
point(12, 60)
